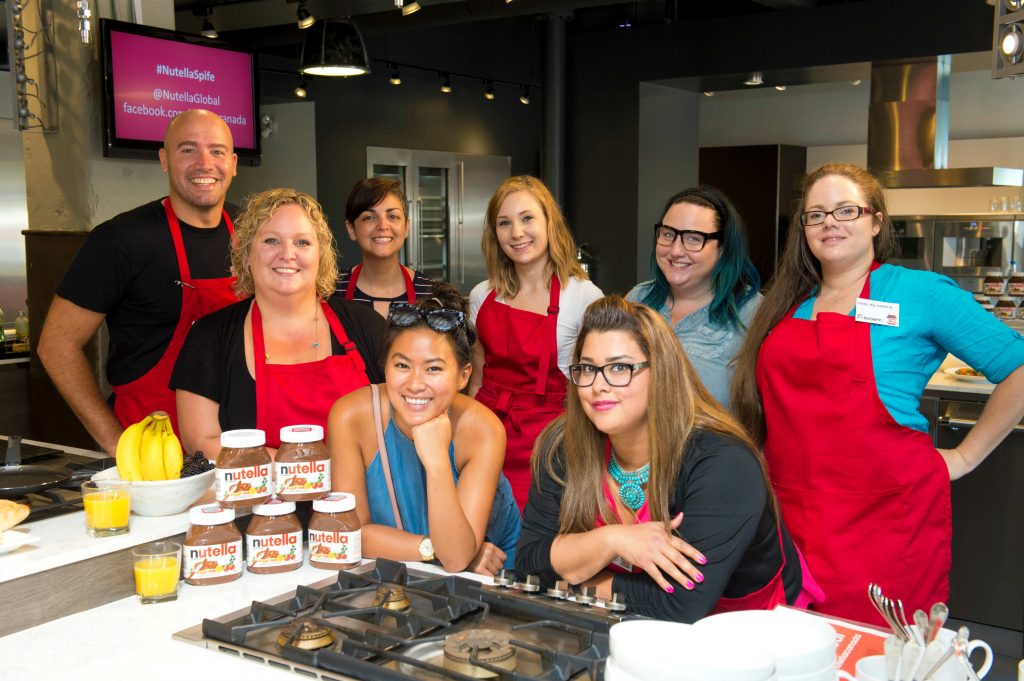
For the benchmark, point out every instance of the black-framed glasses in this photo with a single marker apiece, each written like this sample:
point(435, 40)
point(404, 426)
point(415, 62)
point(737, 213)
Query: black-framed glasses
point(442, 320)
point(842, 214)
point(693, 240)
point(616, 374)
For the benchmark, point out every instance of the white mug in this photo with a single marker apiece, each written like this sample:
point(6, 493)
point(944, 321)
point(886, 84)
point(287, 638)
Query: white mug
point(947, 636)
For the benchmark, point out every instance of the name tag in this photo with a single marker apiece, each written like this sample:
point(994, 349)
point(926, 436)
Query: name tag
point(877, 312)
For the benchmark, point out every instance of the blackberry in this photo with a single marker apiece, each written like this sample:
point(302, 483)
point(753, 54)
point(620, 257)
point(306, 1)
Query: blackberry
point(194, 464)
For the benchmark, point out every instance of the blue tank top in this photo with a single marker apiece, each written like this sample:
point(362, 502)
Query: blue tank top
point(410, 481)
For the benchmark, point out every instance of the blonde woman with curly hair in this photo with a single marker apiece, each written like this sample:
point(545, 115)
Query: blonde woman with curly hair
point(527, 314)
point(287, 351)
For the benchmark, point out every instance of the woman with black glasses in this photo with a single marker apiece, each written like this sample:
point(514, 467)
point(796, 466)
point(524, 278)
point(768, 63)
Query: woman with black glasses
point(423, 460)
point(643, 456)
point(704, 285)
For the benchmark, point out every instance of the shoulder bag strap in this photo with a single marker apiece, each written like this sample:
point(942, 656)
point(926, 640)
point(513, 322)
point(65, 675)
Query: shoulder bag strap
point(383, 449)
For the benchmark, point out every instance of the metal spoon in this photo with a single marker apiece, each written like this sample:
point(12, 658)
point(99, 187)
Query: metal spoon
point(922, 630)
point(939, 613)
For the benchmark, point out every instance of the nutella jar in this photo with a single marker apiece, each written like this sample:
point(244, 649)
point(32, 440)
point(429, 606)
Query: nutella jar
point(273, 540)
point(1005, 308)
point(212, 546)
point(1015, 284)
point(243, 469)
point(992, 285)
point(302, 467)
point(335, 534)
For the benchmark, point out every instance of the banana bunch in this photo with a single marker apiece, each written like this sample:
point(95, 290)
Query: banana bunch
point(149, 450)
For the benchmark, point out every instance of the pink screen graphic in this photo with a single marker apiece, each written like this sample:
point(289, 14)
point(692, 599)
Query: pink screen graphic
point(155, 79)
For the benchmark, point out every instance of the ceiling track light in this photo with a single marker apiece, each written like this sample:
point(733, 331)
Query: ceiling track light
point(488, 91)
point(1011, 43)
point(446, 83)
point(334, 47)
point(396, 77)
point(303, 18)
point(208, 30)
point(300, 90)
point(408, 8)
point(524, 95)
point(756, 78)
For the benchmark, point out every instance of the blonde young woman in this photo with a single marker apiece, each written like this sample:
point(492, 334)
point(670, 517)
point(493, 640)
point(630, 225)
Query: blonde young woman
point(829, 379)
point(285, 353)
point(643, 456)
point(527, 314)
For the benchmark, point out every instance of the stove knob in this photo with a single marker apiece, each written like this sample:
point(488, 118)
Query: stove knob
point(561, 589)
point(617, 603)
point(531, 585)
point(505, 577)
point(587, 595)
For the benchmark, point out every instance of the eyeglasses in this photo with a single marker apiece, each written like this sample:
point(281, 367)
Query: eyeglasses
point(616, 374)
point(442, 320)
point(693, 240)
point(842, 214)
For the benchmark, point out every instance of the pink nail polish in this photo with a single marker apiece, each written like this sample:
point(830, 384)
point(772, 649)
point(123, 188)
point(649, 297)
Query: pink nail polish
point(688, 585)
point(702, 560)
point(699, 577)
point(671, 589)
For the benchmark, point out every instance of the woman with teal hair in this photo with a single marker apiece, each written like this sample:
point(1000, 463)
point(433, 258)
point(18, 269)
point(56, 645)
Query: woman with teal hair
point(704, 285)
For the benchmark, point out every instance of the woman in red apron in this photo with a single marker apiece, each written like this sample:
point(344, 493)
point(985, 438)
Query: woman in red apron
point(527, 314)
point(288, 343)
point(865, 496)
point(627, 474)
point(199, 297)
point(376, 219)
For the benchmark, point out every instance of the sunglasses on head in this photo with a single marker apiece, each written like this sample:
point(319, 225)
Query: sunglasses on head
point(442, 320)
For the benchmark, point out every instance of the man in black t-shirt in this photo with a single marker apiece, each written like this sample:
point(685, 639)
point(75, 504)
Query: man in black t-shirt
point(149, 273)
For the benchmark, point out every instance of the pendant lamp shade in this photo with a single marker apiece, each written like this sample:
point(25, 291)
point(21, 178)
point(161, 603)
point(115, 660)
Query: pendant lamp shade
point(334, 47)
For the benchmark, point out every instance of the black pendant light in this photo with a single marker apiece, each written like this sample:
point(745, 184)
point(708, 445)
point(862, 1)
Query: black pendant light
point(334, 47)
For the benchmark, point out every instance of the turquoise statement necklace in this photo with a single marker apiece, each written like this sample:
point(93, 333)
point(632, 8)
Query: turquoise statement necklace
point(631, 483)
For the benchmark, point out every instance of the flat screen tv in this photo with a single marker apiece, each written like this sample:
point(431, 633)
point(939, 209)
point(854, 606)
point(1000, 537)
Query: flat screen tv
point(151, 74)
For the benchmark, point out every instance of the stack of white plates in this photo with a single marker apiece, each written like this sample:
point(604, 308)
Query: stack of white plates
point(649, 650)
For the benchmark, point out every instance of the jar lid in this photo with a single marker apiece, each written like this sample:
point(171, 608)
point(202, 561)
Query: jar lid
point(302, 434)
point(994, 273)
point(336, 502)
point(210, 514)
point(274, 507)
point(241, 439)
point(981, 297)
point(1007, 299)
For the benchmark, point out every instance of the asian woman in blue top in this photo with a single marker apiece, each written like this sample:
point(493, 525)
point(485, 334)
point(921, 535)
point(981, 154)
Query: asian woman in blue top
point(423, 460)
point(829, 380)
point(704, 285)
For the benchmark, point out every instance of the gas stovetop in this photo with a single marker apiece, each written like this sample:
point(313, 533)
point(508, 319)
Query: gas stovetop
point(64, 498)
point(385, 622)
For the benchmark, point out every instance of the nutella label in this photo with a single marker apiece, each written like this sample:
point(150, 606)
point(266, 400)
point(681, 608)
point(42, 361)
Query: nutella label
point(273, 550)
point(993, 288)
point(211, 562)
point(1015, 287)
point(240, 484)
point(302, 477)
point(1005, 311)
point(335, 547)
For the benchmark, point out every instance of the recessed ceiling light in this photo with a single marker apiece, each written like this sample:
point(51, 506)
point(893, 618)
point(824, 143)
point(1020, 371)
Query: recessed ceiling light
point(780, 88)
point(855, 82)
point(756, 78)
point(488, 90)
point(1011, 43)
point(446, 84)
point(709, 93)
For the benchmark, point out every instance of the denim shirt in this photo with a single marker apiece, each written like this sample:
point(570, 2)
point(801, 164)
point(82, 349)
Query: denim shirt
point(709, 347)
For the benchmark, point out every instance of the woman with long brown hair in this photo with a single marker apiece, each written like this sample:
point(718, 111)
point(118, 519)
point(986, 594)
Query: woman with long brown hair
point(829, 380)
point(527, 313)
point(643, 456)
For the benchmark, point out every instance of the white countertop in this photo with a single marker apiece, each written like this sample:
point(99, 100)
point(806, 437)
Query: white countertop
point(943, 381)
point(80, 646)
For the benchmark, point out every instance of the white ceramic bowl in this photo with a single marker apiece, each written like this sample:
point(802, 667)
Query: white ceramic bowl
point(163, 497)
point(799, 643)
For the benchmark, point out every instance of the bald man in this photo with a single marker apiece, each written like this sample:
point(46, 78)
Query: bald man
point(149, 273)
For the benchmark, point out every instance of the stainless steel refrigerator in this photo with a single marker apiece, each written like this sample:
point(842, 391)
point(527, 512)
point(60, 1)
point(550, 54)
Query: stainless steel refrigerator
point(447, 197)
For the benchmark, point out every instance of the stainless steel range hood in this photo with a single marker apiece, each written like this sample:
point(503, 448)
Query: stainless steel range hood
point(908, 129)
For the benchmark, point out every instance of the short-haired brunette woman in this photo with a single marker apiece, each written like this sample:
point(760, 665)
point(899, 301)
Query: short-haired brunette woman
point(830, 378)
point(376, 219)
point(527, 313)
point(642, 457)
point(704, 285)
point(423, 460)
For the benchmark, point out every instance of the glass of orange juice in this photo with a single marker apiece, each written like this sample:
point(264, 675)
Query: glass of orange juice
point(107, 506)
point(157, 569)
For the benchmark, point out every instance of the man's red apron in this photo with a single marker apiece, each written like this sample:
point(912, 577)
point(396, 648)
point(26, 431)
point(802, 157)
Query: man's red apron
point(350, 290)
point(865, 498)
point(149, 392)
point(522, 383)
point(293, 394)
